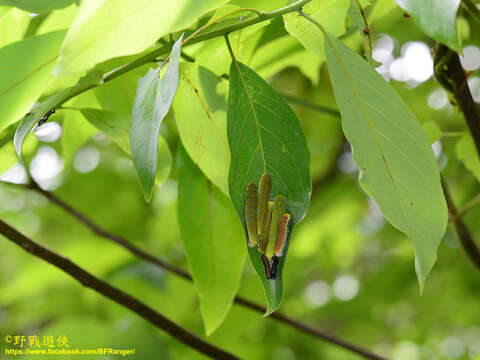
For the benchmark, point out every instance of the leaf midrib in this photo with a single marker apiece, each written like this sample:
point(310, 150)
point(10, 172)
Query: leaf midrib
point(253, 111)
point(371, 129)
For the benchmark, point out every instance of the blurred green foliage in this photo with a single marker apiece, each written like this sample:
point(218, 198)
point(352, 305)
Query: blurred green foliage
point(348, 271)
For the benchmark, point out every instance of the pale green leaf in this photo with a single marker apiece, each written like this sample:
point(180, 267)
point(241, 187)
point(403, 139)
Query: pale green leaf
point(37, 6)
point(58, 19)
point(52, 102)
point(213, 54)
point(200, 111)
point(13, 25)
point(467, 152)
point(437, 18)
point(105, 29)
point(152, 102)
point(116, 126)
point(432, 130)
point(7, 157)
point(357, 14)
point(213, 240)
point(282, 53)
point(25, 73)
point(397, 165)
point(265, 137)
point(330, 13)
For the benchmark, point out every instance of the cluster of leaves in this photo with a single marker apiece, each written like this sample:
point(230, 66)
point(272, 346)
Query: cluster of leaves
point(232, 125)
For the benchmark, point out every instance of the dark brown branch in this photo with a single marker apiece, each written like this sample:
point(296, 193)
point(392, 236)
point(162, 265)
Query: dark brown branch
point(113, 293)
point(451, 75)
point(461, 230)
point(175, 270)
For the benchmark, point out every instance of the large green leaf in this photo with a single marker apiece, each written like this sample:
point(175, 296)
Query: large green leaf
point(265, 137)
point(437, 18)
point(25, 73)
point(13, 25)
point(330, 13)
point(37, 6)
point(105, 29)
point(116, 126)
point(467, 152)
point(212, 237)
point(397, 165)
point(152, 102)
point(52, 102)
point(200, 111)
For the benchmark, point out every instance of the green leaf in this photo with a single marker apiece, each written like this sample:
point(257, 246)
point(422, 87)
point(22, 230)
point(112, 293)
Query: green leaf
point(212, 237)
point(112, 124)
point(432, 130)
point(281, 53)
point(13, 25)
point(397, 165)
point(152, 102)
point(7, 157)
point(436, 18)
point(200, 112)
point(330, 13)
point(37, 6)
point(356, 13)
point(25, 73)
point(467, 153)
point(265, 137)
point(117, 126)
point(58, 19)
point(106, 29)
point(29, 121)
point(76, 131)
point(213, 54)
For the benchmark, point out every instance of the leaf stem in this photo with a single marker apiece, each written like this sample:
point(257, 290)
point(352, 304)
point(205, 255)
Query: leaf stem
point(232, 55)
point(470, 204)
point(242, 23)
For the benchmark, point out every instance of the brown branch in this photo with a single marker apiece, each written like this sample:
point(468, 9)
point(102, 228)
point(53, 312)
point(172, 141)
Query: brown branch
point(461, 230)
point(451, 75)
point(115, 294)
point(175, 270)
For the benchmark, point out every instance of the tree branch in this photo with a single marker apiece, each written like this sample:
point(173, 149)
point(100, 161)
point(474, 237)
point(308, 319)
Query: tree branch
point(463, 234)
point(451, 75)
point(115, 294)
point(177, 271)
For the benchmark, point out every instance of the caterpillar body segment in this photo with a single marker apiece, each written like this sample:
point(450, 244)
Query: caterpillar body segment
point(263, 239)
point(282, 234)
point(266, 265)
point(278, 211)
point(251, 214)
point(263, 197)
point(273, 271)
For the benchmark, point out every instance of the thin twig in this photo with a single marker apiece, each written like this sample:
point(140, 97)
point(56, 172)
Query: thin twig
point(185, 275)
point(309, 105)
point(114, 294)
point(461, 230)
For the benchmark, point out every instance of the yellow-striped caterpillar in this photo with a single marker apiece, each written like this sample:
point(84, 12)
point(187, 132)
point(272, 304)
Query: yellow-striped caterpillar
point(278, 211)
point(282, 234)
point(263, 197)
point(263, 239)
point(251, 213)
point(267, 223)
